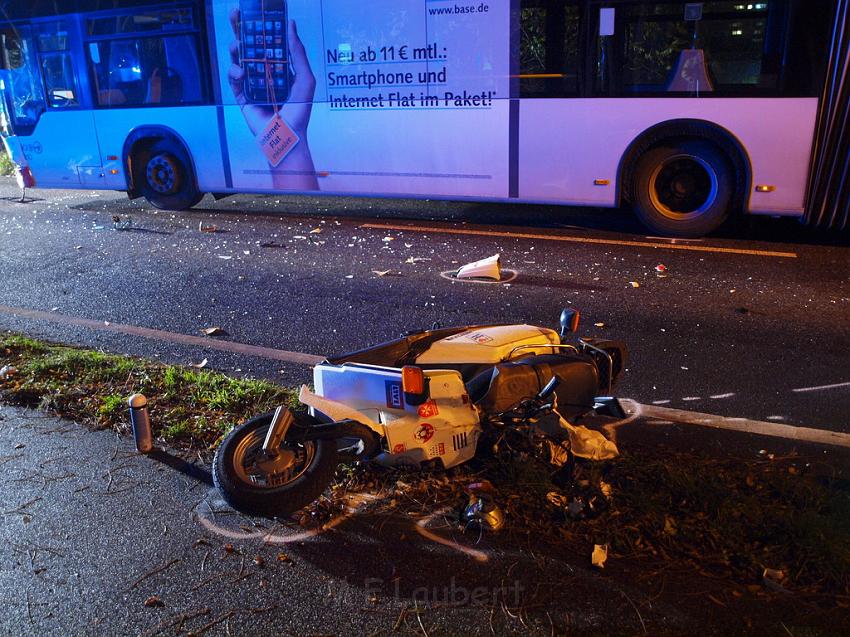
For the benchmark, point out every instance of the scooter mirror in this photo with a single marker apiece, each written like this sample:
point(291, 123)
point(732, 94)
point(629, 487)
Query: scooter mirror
point(569, 322)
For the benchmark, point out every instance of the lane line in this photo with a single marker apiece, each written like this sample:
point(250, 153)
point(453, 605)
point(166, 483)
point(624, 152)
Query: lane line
point(170, 337)
point(820, 387)
point(569, 239)
point(745, 425)
point(790, 432)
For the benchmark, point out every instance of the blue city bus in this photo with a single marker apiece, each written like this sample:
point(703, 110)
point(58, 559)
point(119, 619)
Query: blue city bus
point(688, 112)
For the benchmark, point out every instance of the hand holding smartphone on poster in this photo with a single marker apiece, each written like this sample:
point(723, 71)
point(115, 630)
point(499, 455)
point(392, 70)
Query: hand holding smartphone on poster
point(274, 88)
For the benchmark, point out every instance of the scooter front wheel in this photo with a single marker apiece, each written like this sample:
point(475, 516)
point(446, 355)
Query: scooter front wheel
point(252, 482)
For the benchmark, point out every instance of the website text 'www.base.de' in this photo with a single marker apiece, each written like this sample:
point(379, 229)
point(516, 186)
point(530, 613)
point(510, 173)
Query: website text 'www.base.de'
point(460, 9)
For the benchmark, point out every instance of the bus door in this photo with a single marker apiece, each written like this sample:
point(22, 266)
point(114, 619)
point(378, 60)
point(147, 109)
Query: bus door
point(47, 114)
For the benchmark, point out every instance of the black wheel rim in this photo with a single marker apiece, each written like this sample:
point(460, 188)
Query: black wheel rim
point(163, 172)
point(683, 187)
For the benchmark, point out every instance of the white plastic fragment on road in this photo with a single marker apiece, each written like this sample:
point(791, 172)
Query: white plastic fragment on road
point(586, 443)
point(489, 268)
point(7, 371)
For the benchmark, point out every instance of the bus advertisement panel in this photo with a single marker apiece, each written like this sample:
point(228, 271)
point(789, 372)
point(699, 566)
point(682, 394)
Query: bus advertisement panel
point(393, 97)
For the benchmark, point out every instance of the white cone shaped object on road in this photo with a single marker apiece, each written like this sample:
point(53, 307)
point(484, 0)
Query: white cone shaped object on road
point(489, 268)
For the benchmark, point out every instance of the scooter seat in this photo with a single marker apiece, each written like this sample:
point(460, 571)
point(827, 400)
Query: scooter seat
point(503, 386)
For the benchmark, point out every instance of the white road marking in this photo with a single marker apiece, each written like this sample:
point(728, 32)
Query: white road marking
point(775, 430)
point(170, 337)
point(717, 396)
point(821, 387)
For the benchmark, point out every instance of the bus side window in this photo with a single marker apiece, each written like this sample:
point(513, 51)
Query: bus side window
point(146, 58)
point(59, 80)
point(549, 48)
point(57, 66)
point(658, 48)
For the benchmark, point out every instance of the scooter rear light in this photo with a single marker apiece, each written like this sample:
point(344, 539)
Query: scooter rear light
point(412, 380)
point(574, 322)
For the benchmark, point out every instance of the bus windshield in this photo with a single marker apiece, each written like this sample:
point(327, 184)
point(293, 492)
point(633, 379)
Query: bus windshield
point(20, 77)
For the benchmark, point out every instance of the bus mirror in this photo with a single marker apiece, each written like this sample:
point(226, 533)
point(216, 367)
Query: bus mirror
point(606, 21)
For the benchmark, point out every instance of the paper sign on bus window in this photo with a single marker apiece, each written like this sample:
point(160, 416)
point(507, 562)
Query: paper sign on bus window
point(277, 140)
point(606, 21)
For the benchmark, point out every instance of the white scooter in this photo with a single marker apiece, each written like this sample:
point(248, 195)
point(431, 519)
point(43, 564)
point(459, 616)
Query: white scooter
point(424, 401)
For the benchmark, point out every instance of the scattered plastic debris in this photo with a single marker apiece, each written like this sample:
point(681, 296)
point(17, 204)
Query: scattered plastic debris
point(489, 268)
point(661, 270)
point(599, 555)
point(225, 257)
point(154, 602)
point(200, 365)
point(7, 371)
point(211, 229)
point(416, 259)
point(634, 284)
point(316, 231)
point(213, 331)
point(383, 273)
point(482, 511)
point(557, 499)
point(599, 324)
point(122, 224)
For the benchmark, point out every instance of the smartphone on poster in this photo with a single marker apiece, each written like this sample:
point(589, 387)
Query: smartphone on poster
point(264, 50)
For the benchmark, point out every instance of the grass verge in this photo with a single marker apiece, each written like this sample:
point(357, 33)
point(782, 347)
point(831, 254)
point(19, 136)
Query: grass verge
point(724, 518)
point(6, 165)
point(188, 406)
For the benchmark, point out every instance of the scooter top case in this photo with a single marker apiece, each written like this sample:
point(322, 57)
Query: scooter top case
point(468, 350)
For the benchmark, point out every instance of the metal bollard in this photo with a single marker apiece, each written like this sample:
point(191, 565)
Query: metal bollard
point(141, 423)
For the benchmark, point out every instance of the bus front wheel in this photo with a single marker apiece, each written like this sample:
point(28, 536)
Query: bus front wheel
point(166, 177)
point(683, 189)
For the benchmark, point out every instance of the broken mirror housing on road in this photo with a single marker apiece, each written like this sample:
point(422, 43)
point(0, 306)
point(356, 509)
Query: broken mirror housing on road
point(489, 268)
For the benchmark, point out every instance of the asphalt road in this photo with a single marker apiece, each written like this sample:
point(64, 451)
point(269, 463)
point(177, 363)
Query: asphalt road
point(89, 531)
point(760, 335)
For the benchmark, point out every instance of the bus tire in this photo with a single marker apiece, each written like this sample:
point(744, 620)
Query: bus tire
point(683, 189)
point(165, 176)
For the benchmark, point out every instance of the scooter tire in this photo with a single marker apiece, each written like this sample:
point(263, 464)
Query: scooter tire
point(264, 500)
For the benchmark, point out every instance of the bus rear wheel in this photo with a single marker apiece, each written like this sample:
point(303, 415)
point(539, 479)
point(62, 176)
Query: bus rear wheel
point(166, 177)
point(683, 189)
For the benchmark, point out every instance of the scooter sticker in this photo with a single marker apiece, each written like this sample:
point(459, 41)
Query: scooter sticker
point(395, 397)
point(480, 338)
point(428, 410)
point(399, 448)
point(437, 450)
point(424, 433)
